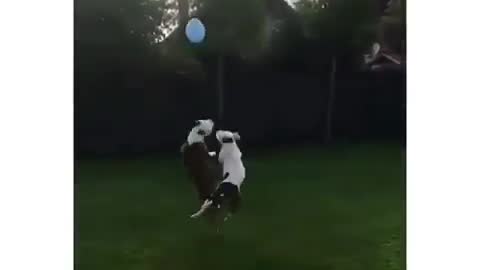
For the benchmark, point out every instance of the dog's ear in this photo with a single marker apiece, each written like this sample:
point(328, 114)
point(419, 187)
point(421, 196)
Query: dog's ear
point(218, 135)
point(236, 136)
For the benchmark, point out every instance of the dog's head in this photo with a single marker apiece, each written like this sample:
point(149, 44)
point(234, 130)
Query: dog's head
point(226, 137)
point(203, 127)
point(229, 148)
point(200, 130)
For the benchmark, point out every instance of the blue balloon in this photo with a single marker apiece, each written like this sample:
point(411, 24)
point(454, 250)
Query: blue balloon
point(195, 30)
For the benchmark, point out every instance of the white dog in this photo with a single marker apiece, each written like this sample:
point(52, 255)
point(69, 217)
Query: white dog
point(228, 192)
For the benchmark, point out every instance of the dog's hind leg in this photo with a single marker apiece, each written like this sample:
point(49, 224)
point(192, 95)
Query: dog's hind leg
point(204, 207)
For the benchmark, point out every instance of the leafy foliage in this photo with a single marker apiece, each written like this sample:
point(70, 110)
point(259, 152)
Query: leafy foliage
point(339, 26)
point(111, 20)
point(234, 26)
point(392, 26)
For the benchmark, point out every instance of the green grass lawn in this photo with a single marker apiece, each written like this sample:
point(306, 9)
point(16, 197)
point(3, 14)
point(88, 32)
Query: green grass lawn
point(335, 209)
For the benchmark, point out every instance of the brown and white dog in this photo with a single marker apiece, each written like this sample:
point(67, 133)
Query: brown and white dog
point(202, 165)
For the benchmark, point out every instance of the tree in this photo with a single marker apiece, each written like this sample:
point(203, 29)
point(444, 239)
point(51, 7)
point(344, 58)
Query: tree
point(234, 28)
point(183, 13)
point(392, 27)
point(116, 44)
point(340, 30)
point(143, 19)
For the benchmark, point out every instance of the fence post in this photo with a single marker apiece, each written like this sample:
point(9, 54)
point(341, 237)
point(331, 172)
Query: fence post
point(331, 101)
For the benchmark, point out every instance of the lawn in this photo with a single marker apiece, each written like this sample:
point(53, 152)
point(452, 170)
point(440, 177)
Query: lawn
point(334, 209)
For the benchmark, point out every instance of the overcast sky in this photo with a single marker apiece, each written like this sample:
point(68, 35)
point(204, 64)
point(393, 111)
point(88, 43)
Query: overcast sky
point(291, 2)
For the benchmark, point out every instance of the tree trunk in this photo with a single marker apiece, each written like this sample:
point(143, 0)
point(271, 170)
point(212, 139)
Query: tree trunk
point(183, 8)
point(220, 88)
point(404, 31)
point(331, 102)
